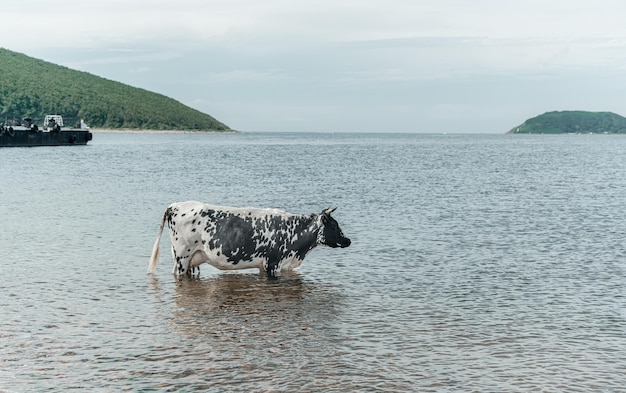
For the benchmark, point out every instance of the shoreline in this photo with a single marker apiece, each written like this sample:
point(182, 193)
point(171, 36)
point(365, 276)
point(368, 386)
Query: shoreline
point(137, 131)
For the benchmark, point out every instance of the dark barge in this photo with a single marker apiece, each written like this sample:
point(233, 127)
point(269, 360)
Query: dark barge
point(53, 134)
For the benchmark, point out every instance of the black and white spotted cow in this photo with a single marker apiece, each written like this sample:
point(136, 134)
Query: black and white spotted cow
point(243, 238)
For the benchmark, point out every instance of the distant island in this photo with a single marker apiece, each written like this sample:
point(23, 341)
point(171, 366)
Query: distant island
point(34, 88)
point(573, 122)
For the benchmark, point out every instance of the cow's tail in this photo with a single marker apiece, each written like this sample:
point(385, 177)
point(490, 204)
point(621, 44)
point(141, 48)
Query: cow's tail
point(154, 259)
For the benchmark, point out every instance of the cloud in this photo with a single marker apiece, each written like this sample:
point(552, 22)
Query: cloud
point(245, 76)
point(423, 35)
point(117, 21)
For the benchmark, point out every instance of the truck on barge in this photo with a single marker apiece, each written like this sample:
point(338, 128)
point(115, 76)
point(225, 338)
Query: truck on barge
point(53, 133)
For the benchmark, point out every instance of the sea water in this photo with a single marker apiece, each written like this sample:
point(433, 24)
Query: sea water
point(478, 263)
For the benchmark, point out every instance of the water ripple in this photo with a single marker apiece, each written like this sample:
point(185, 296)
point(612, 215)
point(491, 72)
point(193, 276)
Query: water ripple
point(478, 263)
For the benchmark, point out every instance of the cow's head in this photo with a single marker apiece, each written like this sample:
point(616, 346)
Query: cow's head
point(330, 234)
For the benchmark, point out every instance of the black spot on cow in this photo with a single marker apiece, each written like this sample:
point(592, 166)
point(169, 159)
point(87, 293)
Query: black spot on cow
point(233, 235)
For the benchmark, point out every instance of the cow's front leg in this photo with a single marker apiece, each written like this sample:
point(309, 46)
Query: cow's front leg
point(271, 269)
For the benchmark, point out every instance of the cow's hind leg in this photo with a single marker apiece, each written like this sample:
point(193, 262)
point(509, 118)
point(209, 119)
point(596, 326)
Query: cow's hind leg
point(174, 259)
point(198, 258)
point(181, 262)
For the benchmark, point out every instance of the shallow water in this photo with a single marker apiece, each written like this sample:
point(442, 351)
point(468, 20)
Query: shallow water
point(478, 262)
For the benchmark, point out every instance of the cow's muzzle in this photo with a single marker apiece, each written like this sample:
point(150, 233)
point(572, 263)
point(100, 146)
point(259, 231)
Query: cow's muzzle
point(343, 243)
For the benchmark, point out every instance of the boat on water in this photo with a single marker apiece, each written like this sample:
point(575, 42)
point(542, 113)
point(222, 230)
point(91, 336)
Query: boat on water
point(53, 133)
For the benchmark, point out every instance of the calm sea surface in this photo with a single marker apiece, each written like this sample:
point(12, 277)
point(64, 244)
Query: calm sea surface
point(478, 263)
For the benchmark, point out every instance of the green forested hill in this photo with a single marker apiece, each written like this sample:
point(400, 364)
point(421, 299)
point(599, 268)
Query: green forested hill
point(34, 88)
point(562, 122)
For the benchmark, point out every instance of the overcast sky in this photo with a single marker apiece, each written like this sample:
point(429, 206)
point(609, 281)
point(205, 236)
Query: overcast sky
point(480, 66)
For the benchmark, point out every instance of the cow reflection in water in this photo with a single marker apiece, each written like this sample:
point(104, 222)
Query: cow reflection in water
point(239, 306)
